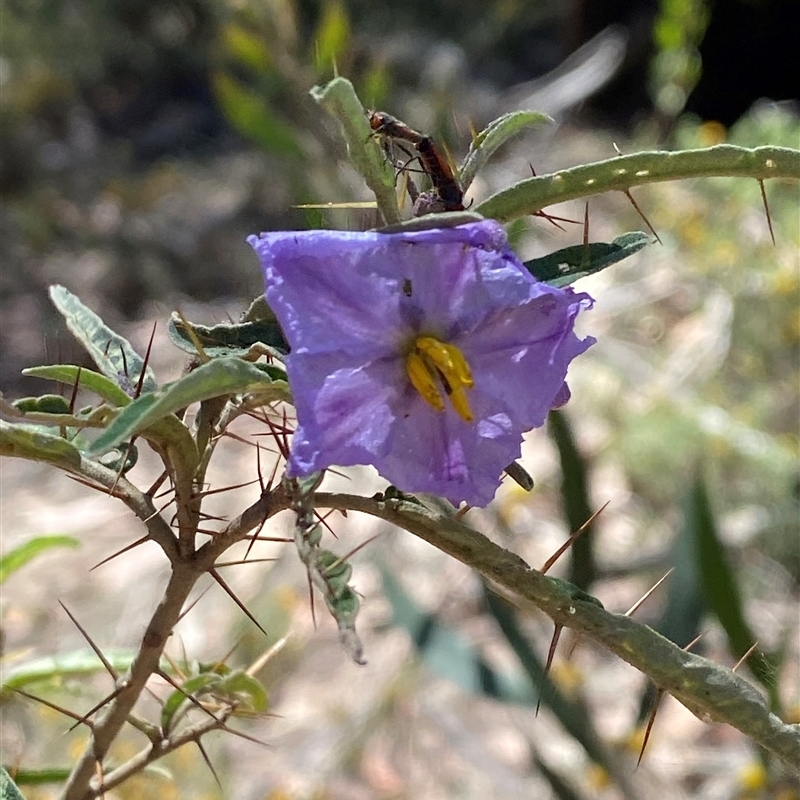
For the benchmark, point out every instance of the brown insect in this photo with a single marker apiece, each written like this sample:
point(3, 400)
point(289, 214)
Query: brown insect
point(435, 165)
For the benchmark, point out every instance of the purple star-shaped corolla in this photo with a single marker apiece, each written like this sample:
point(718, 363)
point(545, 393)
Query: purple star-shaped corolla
point(358, 308)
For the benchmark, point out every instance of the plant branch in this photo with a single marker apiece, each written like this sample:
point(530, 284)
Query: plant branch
point(159, 750)
point(107, 726)
point(724, 160)
point(185, 572)
point(141, 505)
point(708, 690)
point(268, 505)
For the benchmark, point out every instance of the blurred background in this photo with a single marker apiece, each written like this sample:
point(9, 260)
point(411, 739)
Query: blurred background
point(143, 141)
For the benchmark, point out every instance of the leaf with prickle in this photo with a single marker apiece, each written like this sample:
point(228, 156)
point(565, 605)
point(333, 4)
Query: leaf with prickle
point(238, 684)
point(111, 352)
point(87, 379)
point(495, 134)
point(198, 684)
point(221, 376)
point(26, 441)
point(623, 172)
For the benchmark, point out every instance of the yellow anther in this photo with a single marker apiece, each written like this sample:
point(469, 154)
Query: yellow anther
point(423, 381)
point(434, 367)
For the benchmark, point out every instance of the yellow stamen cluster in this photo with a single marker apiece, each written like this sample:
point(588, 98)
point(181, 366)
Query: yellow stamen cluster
point(435, 367)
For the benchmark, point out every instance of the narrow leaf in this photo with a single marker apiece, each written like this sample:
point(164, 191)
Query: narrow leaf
point(239, 684)
point(250, 113)
point(574, 718)
point(111, 352)
point(568, 265)
point(221, 376)
point(27, 441)
point(495, 134)
point(74, 664)
point(87, 378)
point(332, 35)
point(449, 655)
point(339, 99)
point(623, 172)
point(44, 404)
point(189, 688)
point(10, 562)
point(721, 590)
point(37, 777)
point(575, 503)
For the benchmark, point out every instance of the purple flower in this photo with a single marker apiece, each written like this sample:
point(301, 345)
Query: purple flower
point(426, 354)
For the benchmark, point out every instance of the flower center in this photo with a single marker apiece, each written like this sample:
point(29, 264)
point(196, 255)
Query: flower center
point(435, 367)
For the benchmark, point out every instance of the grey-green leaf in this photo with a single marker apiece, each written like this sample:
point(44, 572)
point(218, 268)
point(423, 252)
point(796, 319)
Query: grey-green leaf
point(8, 789)
point(89, 379)
point(28, 441)
point(227, 339)
point(493, 136)
point(219, 377)
point(111, 352)
point(568, 265)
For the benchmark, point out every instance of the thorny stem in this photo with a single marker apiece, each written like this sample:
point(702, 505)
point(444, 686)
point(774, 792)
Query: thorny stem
point(139, 503)
point(185, 573)
point(107, 727)
point(160, 749)
point(724, 160)
point(708, 690)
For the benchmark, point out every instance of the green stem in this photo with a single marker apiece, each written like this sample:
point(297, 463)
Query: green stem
point(623, 172)
point(339, 99)
point(708, 690)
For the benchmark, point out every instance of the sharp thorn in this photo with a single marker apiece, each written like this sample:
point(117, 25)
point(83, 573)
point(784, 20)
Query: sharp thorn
point(97, 651)
point(635, 607)
point(218, 578)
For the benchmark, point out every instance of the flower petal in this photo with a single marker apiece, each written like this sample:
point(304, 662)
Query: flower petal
point(351, 304)
point(521, 358)
point(345, 412)
point(326, 297)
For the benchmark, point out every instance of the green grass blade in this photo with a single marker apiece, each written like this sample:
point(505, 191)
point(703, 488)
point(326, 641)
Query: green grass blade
point(575, 500)
point(15, 559)
point(450, 655)
point(721, 590)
